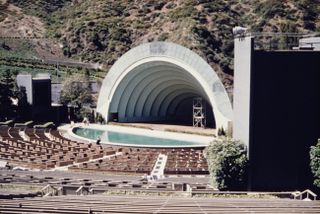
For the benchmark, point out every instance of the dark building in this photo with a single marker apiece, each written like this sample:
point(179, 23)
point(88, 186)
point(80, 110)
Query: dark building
point(38, 90)
point(277, 113)
point(41, 91)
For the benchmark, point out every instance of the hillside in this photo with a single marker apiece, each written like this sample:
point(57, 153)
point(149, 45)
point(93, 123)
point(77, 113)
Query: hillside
point(102, 30)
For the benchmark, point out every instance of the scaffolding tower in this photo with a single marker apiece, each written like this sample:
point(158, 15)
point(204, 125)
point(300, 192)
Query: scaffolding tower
point(199, 112)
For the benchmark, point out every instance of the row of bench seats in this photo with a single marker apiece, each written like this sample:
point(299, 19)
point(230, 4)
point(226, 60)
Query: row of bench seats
point(141, 161)
point(146, 204)
point(186, 161)
point(47, 149)
point(98, 182)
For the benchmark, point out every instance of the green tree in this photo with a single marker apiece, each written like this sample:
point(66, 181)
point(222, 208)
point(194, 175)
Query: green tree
point(7, 86)
point(228, 163)
point(23, 108)
point(315, 163)
point(76, 91)
point(86, 112)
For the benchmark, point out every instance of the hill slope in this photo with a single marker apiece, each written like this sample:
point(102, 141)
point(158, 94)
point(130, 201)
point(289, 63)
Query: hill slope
point(102, 30)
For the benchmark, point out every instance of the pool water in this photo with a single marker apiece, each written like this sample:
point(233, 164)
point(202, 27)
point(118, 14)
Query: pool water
point(131, 139)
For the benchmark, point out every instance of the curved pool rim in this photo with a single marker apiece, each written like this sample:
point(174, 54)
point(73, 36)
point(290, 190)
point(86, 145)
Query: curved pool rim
point(199, 140)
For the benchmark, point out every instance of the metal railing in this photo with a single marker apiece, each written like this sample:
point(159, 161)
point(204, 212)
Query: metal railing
point(278, 40)
point(50, 190)
point(299, 195)
point(82, 190)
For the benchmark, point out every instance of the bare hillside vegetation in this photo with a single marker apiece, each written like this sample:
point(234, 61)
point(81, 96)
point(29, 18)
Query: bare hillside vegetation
point(100, 31)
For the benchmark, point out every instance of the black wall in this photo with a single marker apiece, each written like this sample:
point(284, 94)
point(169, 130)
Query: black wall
point(284, 118)
point(41, 108)
point(42, 92)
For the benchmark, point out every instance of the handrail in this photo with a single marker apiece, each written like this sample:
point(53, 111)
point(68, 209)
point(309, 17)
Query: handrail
point(299, 194)
point(45, 191)
point(26, 124)
point(81, 189)
point(46, 125)
point(8, 122)
point(45, 187)
point(59, 190)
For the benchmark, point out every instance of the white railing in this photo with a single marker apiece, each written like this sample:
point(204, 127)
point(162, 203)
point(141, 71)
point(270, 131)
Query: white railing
point(49, 191)
point(299, 195)
point(82, 190)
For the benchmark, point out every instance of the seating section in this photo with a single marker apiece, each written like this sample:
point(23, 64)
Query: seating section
point(186, 161)
point(146, 204)
point(4, 134)
point(142, 160)
point(135, 160)
point(47, 149)
point(69, 182)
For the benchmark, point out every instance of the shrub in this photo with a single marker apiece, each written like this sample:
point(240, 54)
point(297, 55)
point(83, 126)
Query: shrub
point(227, 162)
point(86, 112)
point(183, 12)
point(315, 162)
point(163, 37)
point(159, 5)
point(171, 5)
point(270, 9)
point(100, 119)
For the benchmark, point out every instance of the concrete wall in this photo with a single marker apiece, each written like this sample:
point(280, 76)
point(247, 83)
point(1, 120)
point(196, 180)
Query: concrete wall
point(25, 80)
point(242, 83)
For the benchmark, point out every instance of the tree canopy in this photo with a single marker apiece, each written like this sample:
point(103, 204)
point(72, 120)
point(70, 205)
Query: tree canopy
point(7, 87)
point(76, 91)
point(23, 109)
point(228, 163)
point(315, 163)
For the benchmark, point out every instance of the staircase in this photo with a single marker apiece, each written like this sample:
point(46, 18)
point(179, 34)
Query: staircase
point(158, 169)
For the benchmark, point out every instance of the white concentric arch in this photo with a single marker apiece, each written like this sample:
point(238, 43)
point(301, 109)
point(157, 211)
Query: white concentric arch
point(183, 62)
